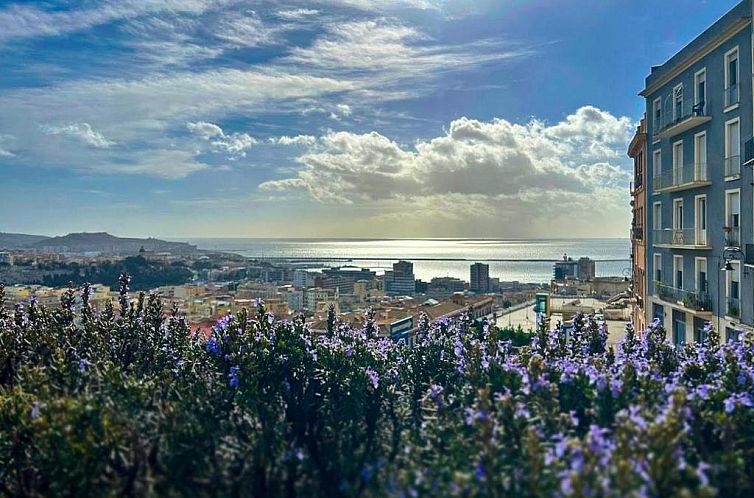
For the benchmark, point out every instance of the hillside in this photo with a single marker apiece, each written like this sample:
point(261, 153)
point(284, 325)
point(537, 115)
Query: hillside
point(105, 243)
point(18, 240)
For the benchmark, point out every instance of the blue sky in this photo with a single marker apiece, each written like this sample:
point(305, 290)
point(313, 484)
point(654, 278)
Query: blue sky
point(330, 118)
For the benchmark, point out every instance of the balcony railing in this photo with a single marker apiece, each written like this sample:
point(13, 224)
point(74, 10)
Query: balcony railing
point(749, 151)
point(749, 254)
point(733, 308)
point(731, 95)
point(732, 166)
point(682, 177)
point(693, 300)
point(680, 237)
point(733, 236)
point(678, 117)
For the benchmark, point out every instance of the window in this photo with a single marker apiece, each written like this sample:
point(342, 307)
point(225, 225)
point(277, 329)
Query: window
point(678, 271)
point(700, 220)
point(701, 275)
point(678, 214)
point(700, 92)
point(700, 157)
point(657, 113)
point(731, 78)
point(733, 288)
point(658, 267)
point(732, 217)
point(732, 148)
point(678, 163)
point(657, 163)
point(678, 102)
point(657, 216)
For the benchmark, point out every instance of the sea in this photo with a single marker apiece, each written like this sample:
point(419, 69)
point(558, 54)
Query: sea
point(509, 260)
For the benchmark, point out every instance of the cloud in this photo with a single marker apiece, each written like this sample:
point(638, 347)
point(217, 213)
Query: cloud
point(235, 144)
point(494, 170)
point(297, 140)
point(247, 30)
point(204, 130)
point(23, 21)
point(82, 132)
point(297, 14)
point(394, 48)
point(5, 145)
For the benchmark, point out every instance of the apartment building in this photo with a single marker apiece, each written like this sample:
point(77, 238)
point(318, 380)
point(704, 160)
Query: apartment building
point(637, 150)
point(698, 213)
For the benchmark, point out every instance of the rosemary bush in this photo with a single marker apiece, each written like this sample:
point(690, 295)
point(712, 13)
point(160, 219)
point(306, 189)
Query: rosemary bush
point(127, 401)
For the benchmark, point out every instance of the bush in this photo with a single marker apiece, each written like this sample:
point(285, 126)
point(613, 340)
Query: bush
point(126, 401)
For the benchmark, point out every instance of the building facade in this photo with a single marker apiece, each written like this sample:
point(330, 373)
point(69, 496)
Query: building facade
point(637, 150)
point(698, 213)
point(479, 280)
point(401, 280)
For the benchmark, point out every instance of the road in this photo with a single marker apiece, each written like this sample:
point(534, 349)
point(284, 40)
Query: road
point(525, 318)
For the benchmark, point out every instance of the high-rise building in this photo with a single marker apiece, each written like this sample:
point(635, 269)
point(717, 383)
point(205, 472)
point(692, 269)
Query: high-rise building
point(699, 217)
point(344, 278)
point(567, 268)
point(587, 269)
point(637, 150)
point(400, 281)
point(480, 278)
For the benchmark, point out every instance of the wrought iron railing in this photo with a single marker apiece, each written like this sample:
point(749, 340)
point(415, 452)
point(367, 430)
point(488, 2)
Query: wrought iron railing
point(681, 175)
point(673, 113)
point(680, 237)
point(693, 300)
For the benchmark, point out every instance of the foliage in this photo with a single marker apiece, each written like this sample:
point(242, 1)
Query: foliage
point(126, 401)
point(147, 274)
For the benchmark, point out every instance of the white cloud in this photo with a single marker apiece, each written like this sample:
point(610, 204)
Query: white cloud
point(246, 30)
point(82, 132)
point(297, 14)
point(394, 48)
point(22, 21)
point(297, 140)
point(235, 144)
point(204, 130)
point(486, 170)
point(5, 145)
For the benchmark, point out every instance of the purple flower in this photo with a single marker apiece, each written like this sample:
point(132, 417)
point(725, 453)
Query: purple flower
point(374, 377)
point(233, 377)
point(83, 364)
point(213, 347)
point(35, 412)
point(479, 471)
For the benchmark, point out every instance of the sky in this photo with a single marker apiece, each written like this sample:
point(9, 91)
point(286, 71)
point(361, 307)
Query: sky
point(328, 118)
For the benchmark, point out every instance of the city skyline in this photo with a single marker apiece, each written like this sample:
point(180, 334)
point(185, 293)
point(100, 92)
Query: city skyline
point(336, 118)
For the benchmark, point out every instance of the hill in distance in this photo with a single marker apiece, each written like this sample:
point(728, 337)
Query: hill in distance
point(19, 240)
point(99, 242)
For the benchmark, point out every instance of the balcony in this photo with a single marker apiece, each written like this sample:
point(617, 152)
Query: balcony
point(681, 238)
point(680, 118)
point(732, 167)
point(749, 255)
point(691, 300)
point(732, 96)
point(682, 178)
point(749, 151)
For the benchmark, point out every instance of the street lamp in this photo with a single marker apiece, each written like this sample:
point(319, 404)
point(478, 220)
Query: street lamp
point(728, 255)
